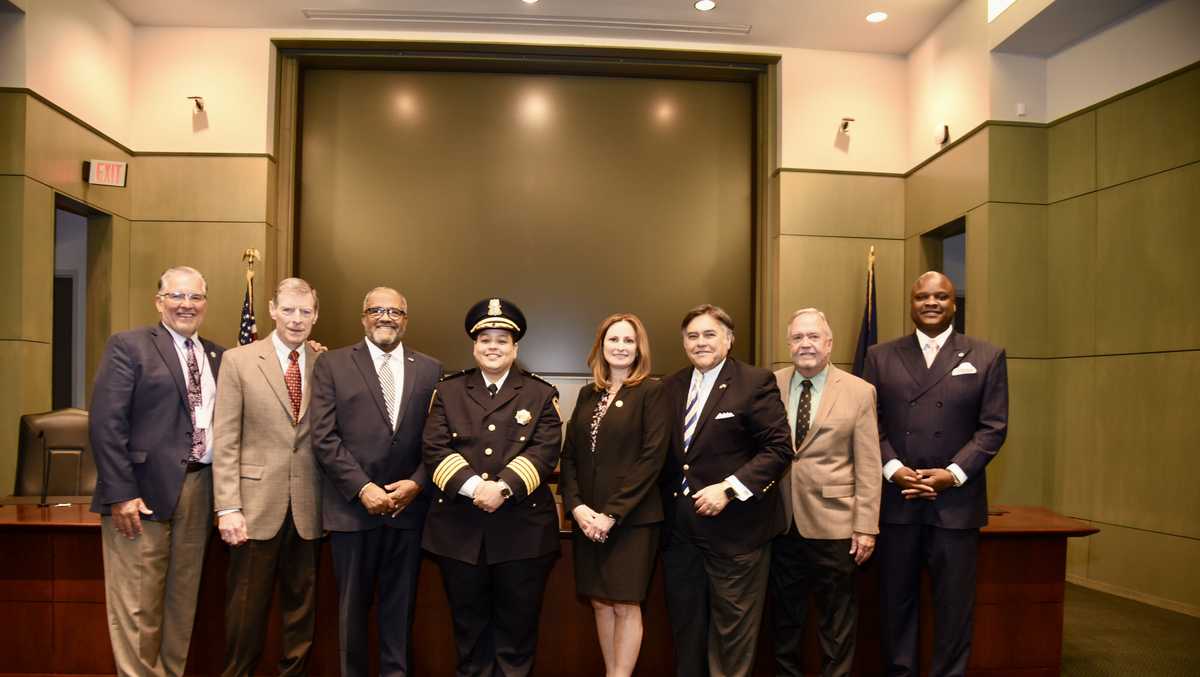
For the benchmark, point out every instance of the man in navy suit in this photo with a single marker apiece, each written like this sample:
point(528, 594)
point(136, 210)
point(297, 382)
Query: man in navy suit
point(729, 446)
point(369, 402)
point(943, 415)
point(151, 433)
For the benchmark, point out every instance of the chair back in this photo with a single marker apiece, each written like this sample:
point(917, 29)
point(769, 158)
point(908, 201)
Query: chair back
point(55, 455)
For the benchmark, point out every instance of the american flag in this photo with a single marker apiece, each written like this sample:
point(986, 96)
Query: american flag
point(248, 331)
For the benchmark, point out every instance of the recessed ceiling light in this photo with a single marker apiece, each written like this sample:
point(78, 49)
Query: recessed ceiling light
point(876, 17)
point(529, 2)
point(705, 5)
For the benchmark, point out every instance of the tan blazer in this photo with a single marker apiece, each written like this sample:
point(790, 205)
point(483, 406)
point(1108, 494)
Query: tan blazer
point(834, 484)
point(262, 460)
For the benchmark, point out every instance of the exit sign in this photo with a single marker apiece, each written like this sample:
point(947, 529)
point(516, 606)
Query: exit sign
point(105, 172)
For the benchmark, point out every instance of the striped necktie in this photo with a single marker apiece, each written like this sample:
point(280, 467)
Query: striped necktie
point(691, 416)
point(387, 383)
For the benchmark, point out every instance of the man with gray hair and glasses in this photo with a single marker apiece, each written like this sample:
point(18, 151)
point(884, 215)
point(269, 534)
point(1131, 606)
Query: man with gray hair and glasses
point(369, 403)
point(151, 433)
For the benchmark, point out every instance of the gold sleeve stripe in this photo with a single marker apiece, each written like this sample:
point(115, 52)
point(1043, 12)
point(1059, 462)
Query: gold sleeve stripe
point(527, 472)
point(446, 469)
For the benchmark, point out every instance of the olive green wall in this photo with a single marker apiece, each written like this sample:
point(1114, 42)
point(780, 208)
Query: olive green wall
point(828, 223)
point(176, 209)
point(1081, 245)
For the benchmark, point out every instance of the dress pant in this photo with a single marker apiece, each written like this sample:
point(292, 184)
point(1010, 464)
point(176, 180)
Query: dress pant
point(950, 555)
point(496, 608)
point(825, 569)
point(254, 567)
point(151, 583)
point(383, 559)
point(715, 603)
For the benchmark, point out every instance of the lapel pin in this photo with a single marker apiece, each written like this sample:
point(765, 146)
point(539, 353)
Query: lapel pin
point(721, 387)
point(212, 353)
point(620, 404)
point(411, 359)
point(962, 354)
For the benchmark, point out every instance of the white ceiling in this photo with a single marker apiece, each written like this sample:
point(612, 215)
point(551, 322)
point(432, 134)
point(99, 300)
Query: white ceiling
point(814, 24)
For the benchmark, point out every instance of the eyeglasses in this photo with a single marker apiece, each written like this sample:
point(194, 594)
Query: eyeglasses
point(376, 312)
point(180, 296)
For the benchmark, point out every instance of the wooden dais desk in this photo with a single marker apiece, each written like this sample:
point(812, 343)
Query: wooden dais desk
point(52, 604)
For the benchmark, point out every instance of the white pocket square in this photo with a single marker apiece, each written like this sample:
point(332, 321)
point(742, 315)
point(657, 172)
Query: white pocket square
point(964, 368)
point(724, 414)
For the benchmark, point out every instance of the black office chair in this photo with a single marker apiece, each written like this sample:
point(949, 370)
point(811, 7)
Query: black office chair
point(55, 456)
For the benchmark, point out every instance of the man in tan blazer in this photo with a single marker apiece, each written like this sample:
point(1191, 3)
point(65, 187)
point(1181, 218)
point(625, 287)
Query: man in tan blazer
point(267, 486)
point(830, 495)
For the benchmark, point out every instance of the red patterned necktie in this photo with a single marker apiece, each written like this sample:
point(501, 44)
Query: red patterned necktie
point(292, 378)
point(195, 401)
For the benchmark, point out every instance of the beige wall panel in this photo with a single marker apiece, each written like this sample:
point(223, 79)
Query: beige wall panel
point(1071, 277)
point(214, 249)
point(946, 188)
point(25, 373)
point(55, 148)
point(1146, 428)
point(1147, 132)
point(26, 258)
point(12, 133)
point(272, 197)
point(1077, 556)
point(191, 188)
point(1016, 278)
point(1071, 157)
point(844, 205)
point(1017, 164)
point(108, 287)
point(1148, 236)
point(979, 287)
point(831, 274)
point(920, 254)
point(1147, 563)
point(1023, 472)
point(1072, 437)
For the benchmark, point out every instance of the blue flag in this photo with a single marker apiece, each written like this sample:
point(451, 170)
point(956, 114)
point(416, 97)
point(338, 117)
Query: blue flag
point(248, 330)
point(868, 333)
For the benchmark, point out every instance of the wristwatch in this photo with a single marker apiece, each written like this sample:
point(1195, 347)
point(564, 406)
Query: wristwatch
point(504, 490)
point(730, 493)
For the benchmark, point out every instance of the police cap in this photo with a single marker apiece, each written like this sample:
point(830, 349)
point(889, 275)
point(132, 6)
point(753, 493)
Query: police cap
point(495, 313)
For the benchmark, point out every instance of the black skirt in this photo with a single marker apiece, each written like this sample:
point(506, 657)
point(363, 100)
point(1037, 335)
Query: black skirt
point(619, 569)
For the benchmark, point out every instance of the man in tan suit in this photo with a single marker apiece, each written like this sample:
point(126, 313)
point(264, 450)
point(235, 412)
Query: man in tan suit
point(267, 485)
point(830, 495)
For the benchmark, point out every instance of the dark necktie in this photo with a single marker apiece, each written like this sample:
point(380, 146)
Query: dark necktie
point(803, 411)
point(195, 400)
point(492, 389)
point(292, 378)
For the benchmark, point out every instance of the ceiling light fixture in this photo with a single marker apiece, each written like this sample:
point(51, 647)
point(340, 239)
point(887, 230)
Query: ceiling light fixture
point(705, 5)
point(529, 2)
point(877, 17)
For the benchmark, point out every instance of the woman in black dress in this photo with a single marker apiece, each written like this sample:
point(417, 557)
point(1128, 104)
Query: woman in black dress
point(615, 445)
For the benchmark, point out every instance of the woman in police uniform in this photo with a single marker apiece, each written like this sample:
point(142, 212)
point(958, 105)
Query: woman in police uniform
point(491, 440)
point(615, 445)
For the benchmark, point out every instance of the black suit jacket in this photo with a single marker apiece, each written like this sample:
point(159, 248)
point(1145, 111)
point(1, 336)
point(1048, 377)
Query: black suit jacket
point(930, 417)
point(353, 439)
point(631, 446)
point(515, 437)
point(140, 422)
point(753, 444)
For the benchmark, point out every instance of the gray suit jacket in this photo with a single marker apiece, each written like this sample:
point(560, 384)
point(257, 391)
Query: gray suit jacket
point(262, 459)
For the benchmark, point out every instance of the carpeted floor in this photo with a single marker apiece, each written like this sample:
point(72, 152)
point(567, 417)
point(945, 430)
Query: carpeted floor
point(1105, 635)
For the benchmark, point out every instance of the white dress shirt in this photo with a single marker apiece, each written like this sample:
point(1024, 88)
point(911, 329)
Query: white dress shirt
point(706, 382)
point(208, 386)
point(468, 488)
point(283, 352)
point(396, 364)
point(895, 464)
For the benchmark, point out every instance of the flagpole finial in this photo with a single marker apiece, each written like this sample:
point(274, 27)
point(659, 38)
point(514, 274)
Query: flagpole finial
point(250, 256)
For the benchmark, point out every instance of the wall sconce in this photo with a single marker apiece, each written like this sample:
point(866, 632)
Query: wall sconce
point(199, 101)
point(942, 134)
point(844, 128)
